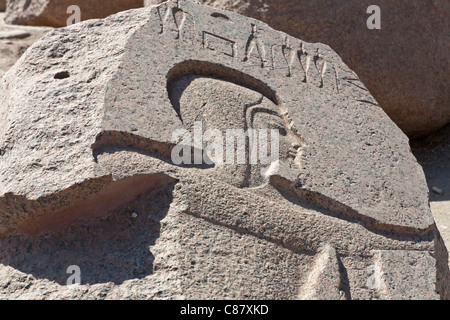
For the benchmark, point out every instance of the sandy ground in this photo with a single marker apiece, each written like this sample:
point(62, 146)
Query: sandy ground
point(433, 153)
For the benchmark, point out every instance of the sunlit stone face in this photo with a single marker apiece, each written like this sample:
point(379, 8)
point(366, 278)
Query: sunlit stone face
point(247, 122)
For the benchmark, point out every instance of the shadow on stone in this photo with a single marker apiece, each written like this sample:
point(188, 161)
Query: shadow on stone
point(114, 249)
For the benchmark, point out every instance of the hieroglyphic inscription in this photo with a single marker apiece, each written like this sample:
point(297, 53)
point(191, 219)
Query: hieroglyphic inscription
point(286, 60)
point(309, 66)
point(313, 75)
point(255, 51)
point(172, 20)
point(219, 44)
point(329, 77)
point(289, 59)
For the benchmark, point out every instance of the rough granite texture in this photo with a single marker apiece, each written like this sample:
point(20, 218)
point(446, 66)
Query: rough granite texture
point(405, 65)
point(86, 119)
point(53, 13)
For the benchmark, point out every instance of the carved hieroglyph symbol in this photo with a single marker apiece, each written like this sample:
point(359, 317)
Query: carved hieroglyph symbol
point(220, 44)
point(255, 51)
point(287, 59)
point(172, 20)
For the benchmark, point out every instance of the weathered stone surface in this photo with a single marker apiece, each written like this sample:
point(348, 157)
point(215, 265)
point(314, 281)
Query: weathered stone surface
point(87, 117)
point(11, 46)
point(405, 65)
point(53, 13)
point(417, 267)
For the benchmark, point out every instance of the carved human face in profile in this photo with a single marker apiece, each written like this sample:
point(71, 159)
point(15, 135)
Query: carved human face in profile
point(265, 119)
point(229, 108)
